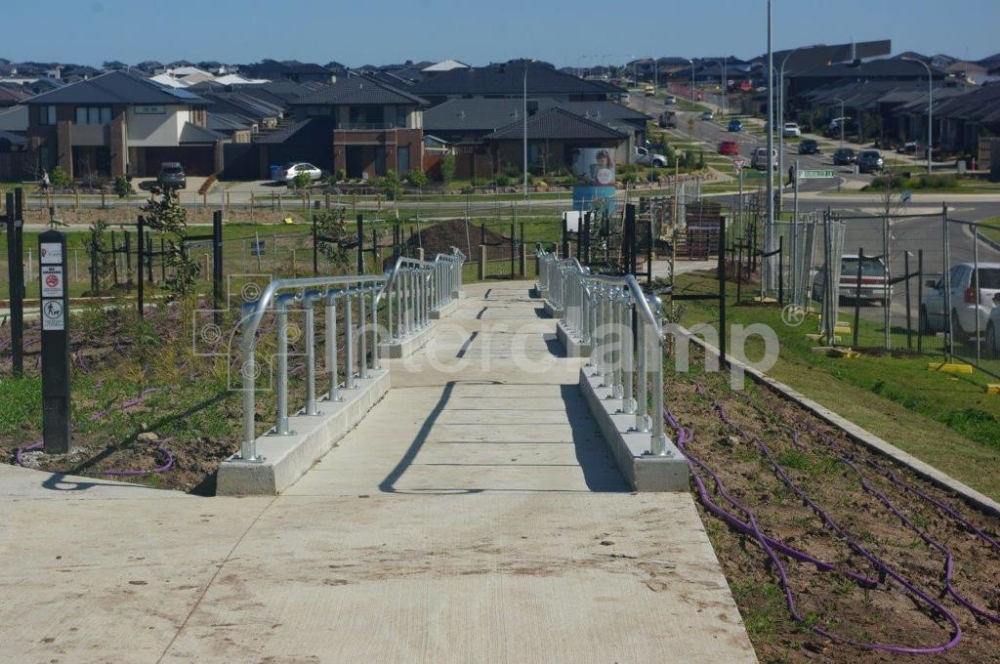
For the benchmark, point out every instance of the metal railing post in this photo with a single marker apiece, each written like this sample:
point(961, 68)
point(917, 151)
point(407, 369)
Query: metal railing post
point(641, 417)
point(628, 364)
point(348, 340)
point(248, 447)
point(281, 426)
point(375, 360)
point(309, 299)
point(616, 343)
point(362, 314)
point(331, 346)
point(658, 440)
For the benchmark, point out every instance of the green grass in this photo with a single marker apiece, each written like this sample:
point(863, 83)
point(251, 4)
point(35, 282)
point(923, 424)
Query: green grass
point(947, 420)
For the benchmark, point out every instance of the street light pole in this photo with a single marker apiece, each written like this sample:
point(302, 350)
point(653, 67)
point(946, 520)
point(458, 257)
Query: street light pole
point(781, 118)
point(524, 119)
point(930, 111)
point(769, 229)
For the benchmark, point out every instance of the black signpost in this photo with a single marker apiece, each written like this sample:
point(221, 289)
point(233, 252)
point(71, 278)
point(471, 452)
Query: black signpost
point(15, 263)
point(55, 342)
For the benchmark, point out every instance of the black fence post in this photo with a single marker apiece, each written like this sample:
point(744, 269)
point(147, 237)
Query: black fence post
point(217, 267)
point(722, 291)
point(781, 270)
point(857, 296)
point(140, 226)
point(909, 321)
point(920, 298)
point(361, 244)
point(15, 269)
point(315, 247)
point(149, 259)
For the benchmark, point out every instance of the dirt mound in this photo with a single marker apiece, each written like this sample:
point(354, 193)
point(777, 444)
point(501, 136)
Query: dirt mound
point(440, 237)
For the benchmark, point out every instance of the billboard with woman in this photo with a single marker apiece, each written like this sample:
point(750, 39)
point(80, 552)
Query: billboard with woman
point(595, 172)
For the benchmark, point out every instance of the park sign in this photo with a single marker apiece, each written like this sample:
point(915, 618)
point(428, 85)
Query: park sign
point(815, 175)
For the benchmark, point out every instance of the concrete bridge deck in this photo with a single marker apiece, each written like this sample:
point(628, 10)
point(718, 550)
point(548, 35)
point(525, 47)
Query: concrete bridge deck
point(475, 515)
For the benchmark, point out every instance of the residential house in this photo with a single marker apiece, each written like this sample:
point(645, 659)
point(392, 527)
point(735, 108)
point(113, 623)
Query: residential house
point(121, 123)
point(293, 70)
point(371, 127)
point(515, 79)
point(553, 137)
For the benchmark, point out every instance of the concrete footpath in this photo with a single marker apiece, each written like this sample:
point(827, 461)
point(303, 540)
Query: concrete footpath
point(473, 516)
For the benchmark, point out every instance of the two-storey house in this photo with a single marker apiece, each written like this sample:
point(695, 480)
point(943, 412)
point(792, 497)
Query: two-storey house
point(121, 123)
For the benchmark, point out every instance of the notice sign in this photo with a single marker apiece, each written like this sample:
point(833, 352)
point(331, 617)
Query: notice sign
point(51, 253)
point(52, 281)
point(53, 315)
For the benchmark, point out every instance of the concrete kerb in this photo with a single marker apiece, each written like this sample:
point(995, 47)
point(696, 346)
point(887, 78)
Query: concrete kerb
point(287, 458)
point(631, 448)
point(858, 434)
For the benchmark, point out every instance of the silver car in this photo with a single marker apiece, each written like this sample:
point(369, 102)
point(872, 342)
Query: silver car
point(970, 309)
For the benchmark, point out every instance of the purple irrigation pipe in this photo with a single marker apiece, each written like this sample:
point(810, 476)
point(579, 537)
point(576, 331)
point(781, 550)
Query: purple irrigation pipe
point(767, 543)
point(126, 472)
point(850, 459)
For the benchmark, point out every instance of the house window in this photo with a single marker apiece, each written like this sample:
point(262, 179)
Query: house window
point(401, 117)
point(93, 115)
point(46, 115)
point(149, 110)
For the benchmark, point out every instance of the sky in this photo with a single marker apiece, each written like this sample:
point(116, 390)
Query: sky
point(584, 33)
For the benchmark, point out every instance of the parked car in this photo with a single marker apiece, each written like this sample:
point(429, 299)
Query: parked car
point(837, 122)
point(735, 125)
point(758, 159)
point(645, 157)
point(707, 115)
point(844, 157)
point(911, 147)
point(993, 330)
point(875, 285)
point(670, 100)
point(791, 130)
point(649, 90)
point(171, 176)
point(869, 161)
point(808, 146)
point(970, 310)
point(291, 170)
point(729, 147)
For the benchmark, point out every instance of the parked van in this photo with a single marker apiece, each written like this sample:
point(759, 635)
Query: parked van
point(758, 159)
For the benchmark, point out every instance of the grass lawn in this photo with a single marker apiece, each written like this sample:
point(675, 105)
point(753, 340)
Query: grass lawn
point(947, 420)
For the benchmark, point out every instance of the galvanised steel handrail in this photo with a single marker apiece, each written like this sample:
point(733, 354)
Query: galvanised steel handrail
point(622, 326)
point(417, 287)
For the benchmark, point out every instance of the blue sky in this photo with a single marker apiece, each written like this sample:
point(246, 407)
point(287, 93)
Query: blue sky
point(581, 33)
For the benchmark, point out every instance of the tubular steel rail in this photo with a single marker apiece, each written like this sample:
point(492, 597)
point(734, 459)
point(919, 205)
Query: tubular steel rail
point(622, 326)
point(411, 290)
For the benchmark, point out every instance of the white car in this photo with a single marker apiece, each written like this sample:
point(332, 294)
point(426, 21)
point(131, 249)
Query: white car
point(791, 130)
point(644, 157)
point(970, 310)
point(291, 170)
point(993, 330)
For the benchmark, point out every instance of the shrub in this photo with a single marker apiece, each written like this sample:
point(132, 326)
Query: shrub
point(417, 178)
point(122, 187)
point(448, 169)
point(340, 175)
point(59, 177)
point(503, 180)
point(301, 181)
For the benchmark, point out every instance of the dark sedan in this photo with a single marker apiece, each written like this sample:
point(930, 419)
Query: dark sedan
point(808, 146)
point(844, 157)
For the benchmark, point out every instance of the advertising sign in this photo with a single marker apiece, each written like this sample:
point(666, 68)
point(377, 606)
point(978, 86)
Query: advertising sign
point(595, 172)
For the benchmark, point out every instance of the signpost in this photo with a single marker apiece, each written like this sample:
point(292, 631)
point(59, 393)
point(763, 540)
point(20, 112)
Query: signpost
point(55, 342)
point(15, 267)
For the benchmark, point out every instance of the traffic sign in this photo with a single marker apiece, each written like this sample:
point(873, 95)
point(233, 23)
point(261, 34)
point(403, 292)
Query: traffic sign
point(815, 175)
point(740, 163)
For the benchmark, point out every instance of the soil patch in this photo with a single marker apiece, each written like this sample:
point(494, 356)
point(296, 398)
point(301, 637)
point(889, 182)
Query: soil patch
point(880, 539)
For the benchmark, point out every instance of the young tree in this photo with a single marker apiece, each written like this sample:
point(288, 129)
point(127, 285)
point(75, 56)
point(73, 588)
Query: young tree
point(169, 217)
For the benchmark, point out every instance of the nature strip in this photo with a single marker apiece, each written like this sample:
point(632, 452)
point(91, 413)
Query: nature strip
point(770, 546)
point(849, 458)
